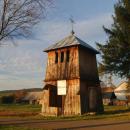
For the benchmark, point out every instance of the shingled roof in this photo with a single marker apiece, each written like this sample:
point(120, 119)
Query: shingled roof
point(69, 41)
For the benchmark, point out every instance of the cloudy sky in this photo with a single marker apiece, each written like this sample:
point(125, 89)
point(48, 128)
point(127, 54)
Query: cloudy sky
point(23, 66)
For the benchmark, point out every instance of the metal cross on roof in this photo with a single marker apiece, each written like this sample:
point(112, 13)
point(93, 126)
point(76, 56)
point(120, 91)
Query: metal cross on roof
point(72, 24)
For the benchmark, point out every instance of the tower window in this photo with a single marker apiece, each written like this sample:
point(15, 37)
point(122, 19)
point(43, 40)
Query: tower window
point(67, 55)
point(62, 57)
point(56, 57)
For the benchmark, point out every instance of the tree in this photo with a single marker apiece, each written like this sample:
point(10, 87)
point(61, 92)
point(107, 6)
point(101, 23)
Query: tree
point(7, 99)
point(17, 17)
point(115, 52)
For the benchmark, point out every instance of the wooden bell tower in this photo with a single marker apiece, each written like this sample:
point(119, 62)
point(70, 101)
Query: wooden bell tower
point(72, 84)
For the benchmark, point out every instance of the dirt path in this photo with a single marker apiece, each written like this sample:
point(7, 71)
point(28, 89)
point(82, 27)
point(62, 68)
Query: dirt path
point(69, 125)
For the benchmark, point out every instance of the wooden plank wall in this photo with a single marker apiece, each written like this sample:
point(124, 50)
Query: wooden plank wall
point(88, 65)
point(90, 97)
point(80, 73)
point(46, 109)
point(84, 97)
point(70, 102)
point(72, 99)
point(64, 70)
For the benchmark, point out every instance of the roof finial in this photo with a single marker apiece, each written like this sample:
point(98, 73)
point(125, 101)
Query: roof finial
point(72, 25)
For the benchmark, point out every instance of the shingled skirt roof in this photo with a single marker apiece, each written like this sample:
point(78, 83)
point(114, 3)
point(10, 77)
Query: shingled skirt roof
point(69, 41)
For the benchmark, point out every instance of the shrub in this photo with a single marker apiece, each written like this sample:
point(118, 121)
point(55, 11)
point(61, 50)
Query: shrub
point(7, 99)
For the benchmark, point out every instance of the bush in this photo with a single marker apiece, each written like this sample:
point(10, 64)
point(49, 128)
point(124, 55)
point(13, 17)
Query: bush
point(7, 99)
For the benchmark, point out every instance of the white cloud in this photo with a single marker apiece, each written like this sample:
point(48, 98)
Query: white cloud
point(53, 31)
point(25, 64)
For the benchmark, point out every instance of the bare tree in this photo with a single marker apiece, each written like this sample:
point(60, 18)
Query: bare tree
point(17, 17)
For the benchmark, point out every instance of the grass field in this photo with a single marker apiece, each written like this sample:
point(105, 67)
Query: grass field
point(32, 112)
point(20, 107)
point(19, 110)
point(17, 128)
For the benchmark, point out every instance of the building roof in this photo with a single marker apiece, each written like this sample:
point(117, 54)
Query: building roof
point(69, 41)
point(109, 95)
point(122, 91)
point(122, 87)
point(33, 96)
point(107, 89)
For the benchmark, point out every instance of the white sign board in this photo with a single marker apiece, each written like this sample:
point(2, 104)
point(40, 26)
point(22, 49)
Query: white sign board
point(61, 87)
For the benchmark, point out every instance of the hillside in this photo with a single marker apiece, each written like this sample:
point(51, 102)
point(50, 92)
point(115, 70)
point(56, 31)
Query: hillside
point(8, 92)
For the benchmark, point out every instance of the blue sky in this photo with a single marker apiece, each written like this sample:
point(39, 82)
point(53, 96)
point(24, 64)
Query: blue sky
point(23, 66)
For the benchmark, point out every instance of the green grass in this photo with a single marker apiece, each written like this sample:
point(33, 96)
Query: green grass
point(20, 107)
point(17, 128)
point(110, 113)
point(32, 112)
point(19, 110)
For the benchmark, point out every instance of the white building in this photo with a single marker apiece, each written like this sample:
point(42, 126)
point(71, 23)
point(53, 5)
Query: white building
point(121, 91)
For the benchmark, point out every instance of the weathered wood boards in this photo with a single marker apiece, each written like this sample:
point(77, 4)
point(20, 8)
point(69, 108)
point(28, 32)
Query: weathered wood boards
point(62, 70)
point(74, 67)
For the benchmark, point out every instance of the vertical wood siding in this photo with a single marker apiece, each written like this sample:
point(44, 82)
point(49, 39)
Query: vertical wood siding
point(46, 109)
point(70, 102)
point(80, 74)
point(72, 98)
point(64, 70)
point(88, 65)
